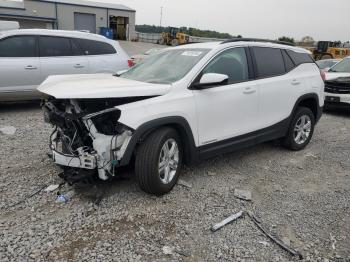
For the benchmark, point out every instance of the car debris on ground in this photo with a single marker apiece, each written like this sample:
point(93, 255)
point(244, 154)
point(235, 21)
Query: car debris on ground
point(274, 238)
point(226, 221)
point(184, 183)
point(243, 194)
point(283, 244)
point(8, 130)
point(65, 198)
point(52, 188)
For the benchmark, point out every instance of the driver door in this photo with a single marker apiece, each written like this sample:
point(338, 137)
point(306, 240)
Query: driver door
point(228, 110)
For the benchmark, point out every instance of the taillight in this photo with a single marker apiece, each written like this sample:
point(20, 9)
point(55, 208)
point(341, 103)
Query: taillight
point(131, 63)
point(323, 75)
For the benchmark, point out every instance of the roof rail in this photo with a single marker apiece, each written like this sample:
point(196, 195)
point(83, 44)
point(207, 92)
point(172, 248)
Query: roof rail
point(256, 40)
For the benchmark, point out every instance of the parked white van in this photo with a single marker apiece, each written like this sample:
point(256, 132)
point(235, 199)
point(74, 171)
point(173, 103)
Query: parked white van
point(29, 56)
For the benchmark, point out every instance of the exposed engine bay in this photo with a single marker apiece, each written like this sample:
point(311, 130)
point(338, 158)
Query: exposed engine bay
point(87, 135)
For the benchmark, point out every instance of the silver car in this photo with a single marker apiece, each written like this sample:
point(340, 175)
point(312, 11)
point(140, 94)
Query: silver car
point(29, 56)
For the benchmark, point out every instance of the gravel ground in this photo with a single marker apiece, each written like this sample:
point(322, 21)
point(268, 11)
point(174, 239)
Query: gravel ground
point(303, 197)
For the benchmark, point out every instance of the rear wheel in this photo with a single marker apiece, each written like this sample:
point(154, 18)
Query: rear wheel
point(301, 129)
point(159, 161)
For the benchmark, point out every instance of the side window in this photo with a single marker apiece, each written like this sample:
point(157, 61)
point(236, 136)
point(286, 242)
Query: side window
point(54, 46)
point(287, 61)
point(76, 49)
point(269, 61)
point(91, 47)
point(19, 46)
point(300, 58)
point(232, 62)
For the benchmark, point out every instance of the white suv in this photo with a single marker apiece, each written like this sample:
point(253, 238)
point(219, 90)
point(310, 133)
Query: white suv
point(182, 105)
point(29, 56)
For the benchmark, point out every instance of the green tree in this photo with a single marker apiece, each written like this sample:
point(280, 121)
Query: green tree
point(286, 39)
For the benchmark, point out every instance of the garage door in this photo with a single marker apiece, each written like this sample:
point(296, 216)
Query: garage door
point(85, 22)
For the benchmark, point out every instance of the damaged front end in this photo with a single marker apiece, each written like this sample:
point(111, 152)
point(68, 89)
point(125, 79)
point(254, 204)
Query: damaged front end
point(87, 136)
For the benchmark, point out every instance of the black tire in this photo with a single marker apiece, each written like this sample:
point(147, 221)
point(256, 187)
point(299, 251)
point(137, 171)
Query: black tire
point(289, 141)
point(147, 162)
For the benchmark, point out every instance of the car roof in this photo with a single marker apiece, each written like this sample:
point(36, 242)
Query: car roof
point(50, 32)
point(221, 45)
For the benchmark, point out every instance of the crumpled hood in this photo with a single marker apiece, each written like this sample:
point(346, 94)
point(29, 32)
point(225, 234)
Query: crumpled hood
point(98, 86)
point(334, 75)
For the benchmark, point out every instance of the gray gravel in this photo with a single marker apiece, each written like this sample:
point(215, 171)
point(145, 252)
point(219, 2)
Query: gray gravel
point(303, 197)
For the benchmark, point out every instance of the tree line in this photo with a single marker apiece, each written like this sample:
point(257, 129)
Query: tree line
point(186, 30)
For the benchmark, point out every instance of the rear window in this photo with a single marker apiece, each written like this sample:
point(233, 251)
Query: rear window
point(269, 61)
point(18, 46)
point(92, 47)
point(300, 58)
point(54, 46)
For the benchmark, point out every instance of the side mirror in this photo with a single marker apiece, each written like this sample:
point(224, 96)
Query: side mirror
point(211, 80)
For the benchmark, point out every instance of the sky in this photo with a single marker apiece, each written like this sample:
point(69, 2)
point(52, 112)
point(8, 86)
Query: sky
point(321, 19)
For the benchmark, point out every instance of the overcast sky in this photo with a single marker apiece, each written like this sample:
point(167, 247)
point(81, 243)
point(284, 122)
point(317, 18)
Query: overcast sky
point(321, 19)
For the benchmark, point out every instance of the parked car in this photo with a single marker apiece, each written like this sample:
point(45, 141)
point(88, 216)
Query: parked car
point(141, 57)
point(182, 105)
point(337, 85)
point(326, 64)
point(28, 57)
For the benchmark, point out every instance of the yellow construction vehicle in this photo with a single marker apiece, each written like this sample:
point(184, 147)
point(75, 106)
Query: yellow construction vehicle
point(174, 37)
point(329, 50)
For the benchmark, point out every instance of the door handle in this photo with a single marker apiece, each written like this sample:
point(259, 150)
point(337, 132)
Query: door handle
point(295, 82)
point(249, 90)
point(30, 67)
point(79, 66)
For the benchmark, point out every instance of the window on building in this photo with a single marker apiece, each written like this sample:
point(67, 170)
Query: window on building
point(269, 61)
point(232, 62)
point(18, 46)
point(91, 47)
point(54, 46)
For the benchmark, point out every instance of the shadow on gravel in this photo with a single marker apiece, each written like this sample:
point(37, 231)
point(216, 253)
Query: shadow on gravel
point(18, 106)
point(345, 112)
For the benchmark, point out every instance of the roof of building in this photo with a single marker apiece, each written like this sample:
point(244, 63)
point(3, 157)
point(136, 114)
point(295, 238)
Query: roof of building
point(20, 4)
point(12, 4)
point(91, 4)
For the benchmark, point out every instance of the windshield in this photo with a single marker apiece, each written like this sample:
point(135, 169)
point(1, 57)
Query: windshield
point(323, 64)
point(342, 67)
point(166, 67)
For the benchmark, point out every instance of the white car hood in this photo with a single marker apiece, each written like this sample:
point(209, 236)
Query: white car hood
point(334, 75)
point(98, 86)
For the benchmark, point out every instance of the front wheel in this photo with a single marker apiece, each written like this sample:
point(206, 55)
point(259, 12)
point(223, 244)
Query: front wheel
point(159, 161)
point(301, 129)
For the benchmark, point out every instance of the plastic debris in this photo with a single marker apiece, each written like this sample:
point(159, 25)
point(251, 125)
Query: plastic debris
point(168, 250)
point(51, 188)
point(333, 240)
point(65, 198)
point(243, 194)
point(184, 183)
point(275, 239)
point(226, 221)
point(8, 130)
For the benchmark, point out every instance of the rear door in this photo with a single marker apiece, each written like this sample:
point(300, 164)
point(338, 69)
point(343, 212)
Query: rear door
point(103, 56)
point(278, 87)
point(19, 67)
point(61, 56)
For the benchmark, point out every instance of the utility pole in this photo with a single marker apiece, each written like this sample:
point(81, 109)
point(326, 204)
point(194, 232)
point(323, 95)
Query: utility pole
point(161, 16)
